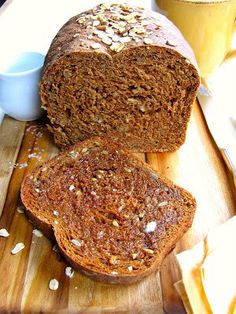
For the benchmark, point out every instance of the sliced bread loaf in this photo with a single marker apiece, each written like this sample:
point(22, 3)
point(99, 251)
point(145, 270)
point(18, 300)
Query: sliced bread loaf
point(112, 216)
point(123, 72)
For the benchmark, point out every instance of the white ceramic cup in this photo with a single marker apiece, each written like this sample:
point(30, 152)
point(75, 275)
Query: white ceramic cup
point(19, 91)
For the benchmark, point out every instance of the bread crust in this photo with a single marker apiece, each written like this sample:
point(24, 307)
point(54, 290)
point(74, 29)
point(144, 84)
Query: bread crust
point(175, 217)
point(165, 35)
point(141, 95)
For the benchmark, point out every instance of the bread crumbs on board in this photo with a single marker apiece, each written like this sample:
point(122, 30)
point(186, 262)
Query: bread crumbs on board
point(53, 284)
point(17, 248)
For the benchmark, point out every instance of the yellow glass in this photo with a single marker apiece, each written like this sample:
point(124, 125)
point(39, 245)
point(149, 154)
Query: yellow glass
point(207, 26)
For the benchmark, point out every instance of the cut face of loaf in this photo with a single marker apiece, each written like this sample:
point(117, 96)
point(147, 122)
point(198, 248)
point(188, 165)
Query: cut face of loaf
point(122, 72)
point(111, 215)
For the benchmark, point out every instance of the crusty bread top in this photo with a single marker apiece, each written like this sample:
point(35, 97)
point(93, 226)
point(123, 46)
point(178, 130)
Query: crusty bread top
point(111, 214)
point(114, 28)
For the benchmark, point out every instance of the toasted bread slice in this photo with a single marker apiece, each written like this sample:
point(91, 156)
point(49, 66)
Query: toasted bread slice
point(112, 216)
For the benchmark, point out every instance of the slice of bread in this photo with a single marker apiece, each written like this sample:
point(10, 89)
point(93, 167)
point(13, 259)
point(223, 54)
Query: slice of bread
point(112, 216)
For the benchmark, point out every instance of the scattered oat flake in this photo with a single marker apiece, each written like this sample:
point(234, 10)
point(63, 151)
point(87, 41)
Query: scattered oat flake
point(107, 41)
point(76, 242)
point(100, 35)
point(100, 234)
point(95, 45)
point(148, 41)
point(127, 169)
point(18, 247)
point(73, 154)
point(115, 223)
point(37, 233)
point(96, 23)
point(140, 31)
point(71, 187)
point(121, 207)
point(154, 175)
point(142, 108)
point(149, 251)
point(35, 129)
point(162, 204)
point(141, 215)
point(4, 233)
point(150, 227)
point(125, 39)
point(134, 255)
point(130, 268)
point(55, 248)
point(53, 284)
point(117, 47)
point(115, 38)
point(69, 271)
point(20, 209)
point(96, 32)
point(34, 155)
point(17, 165)
point(84, 150)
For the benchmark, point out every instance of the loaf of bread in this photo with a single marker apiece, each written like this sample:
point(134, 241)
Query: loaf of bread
point(123, 72)
point(112, 216)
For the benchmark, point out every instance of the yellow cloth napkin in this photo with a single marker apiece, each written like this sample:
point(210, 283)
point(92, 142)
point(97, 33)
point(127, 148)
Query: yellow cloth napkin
point(209, 273)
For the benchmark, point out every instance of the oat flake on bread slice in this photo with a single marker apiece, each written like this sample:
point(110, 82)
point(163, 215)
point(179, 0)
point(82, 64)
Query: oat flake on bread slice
point(116, 217)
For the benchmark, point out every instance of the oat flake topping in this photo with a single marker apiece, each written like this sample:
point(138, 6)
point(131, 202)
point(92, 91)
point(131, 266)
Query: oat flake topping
point(4, 233)
point(18, 247)
point(116, 24)
point(53, 284)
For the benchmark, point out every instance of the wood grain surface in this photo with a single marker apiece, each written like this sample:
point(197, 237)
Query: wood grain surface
point(24, 278)
point(10, 143)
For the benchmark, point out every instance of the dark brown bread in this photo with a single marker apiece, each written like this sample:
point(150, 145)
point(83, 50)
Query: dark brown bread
point(112, 216)
point(123, 72)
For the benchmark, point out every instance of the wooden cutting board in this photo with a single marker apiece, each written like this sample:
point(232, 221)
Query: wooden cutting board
point(24, 278)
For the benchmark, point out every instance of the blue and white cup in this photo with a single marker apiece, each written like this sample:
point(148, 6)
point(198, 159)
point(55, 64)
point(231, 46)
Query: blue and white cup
point(19, 91)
